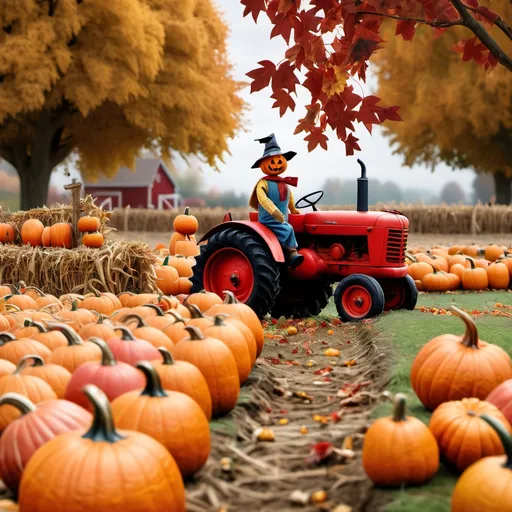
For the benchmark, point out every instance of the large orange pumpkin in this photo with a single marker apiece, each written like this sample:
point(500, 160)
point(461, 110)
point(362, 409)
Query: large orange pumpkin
point(172, 418)
point(218, 366)
point(13, 349)
point(53, 374)
point(184, 377)
point(100, 329)
point(32, 232)
point(453, 367)
point(142, 330)
point(400, 450)
point(61, 235)
point(419, 270)
point(493, 252)
point(486, 485)
point(93, 240)
point(37, 425)
point(87, 224)
point(167, 277)
point(100, 304)
point(203, 300)
point(463, 437)
point(102, 458)
point(185, 224)
point(77, 317)
point(197, 319)
point(37, 332)
point(474, 278)
point(498, 276)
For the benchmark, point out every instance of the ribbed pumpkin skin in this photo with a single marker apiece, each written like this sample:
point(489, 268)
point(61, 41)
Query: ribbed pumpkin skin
point(134, 474)
point(463, 438)
point(34, 388)
point(6, 367)
point(100, 330)
point(186, 378)
point(176, 421)
point(55, 375)
point(25, 435)
point(14, 350)
point(445, 370)
point(218, 366)
point(132, 351)
point(501, 397)
point(154, 336)
point(72, 356)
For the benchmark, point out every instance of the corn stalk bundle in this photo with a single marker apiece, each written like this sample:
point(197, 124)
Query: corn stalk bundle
point(115, 267)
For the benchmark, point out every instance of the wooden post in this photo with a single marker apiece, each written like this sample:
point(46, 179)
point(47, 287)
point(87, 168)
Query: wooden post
point(75, 188)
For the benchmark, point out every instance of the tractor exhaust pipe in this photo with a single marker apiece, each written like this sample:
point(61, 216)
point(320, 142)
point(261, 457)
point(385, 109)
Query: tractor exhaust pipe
point(362, 189)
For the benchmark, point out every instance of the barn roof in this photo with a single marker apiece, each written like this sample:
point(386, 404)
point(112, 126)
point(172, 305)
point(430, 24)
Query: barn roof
point(143, 176)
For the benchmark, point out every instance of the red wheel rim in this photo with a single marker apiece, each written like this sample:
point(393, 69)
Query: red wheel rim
point(394, 295)
point(229, 269)
point(356, 301)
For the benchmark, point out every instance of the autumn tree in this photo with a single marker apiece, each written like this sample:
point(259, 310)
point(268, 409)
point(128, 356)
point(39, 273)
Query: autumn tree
point(330, 43)
point(483, 188)
point(454, 112)
point(452, 193)
point(105, 79)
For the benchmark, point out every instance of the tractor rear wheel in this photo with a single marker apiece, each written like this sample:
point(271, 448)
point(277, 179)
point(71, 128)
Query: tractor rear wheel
point(240, 262)
point(358, 297)
point(399, 293)
point(300, 299)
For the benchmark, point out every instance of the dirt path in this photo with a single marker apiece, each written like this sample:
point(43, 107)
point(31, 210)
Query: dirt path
point(304, 397)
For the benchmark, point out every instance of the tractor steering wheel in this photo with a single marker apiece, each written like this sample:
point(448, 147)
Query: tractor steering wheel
point(308, 202)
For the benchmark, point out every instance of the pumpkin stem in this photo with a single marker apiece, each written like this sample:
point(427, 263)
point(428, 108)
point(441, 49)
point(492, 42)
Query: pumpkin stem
point(153, 385)
point(102, 428)
point(23, 363)
point(71, 336)
point(6, 337)
point(218, 319)
point(470, 339)
point(127, 334)
point(134, 316)
point(74, 305)
point(195, 333)
point(195, 312)
point(504, 436)
point(107, 358)
point(177, 317)
point(166, 356)
point(472, 263)
point(158, 309)
point(187, 211)
point(229, 297)
point(22, 403)
point(399, 407)
point(166, 262)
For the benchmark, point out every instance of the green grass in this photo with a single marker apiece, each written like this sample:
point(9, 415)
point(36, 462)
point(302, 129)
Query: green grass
point(9, 201)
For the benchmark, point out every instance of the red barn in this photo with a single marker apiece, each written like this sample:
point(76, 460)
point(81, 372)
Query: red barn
point(151, 185)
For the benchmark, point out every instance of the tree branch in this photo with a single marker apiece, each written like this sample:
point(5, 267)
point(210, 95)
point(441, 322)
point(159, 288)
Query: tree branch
point(482, 34)
point(61, 154)
point(498, 21)
point(437, 24)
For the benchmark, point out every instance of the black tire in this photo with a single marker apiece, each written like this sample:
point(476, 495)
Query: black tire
point(399, 293)
point(372, 288)
point(266, 271)
point(301, 299)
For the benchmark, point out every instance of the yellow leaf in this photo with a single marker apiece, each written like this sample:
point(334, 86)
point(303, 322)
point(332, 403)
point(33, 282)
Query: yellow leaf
point(335, 80)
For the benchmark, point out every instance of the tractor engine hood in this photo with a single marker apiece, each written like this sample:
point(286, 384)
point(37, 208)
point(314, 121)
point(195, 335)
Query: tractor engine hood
point(355, 218)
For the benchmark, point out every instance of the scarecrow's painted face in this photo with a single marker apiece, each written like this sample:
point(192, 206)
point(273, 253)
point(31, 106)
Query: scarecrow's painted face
point(274, 165)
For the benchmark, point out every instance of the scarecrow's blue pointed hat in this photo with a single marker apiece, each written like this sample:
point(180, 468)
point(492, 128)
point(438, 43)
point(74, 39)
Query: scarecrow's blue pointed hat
point(271, 149)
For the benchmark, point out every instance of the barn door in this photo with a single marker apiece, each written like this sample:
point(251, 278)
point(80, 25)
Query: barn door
point(106, 204)
point(168, 201)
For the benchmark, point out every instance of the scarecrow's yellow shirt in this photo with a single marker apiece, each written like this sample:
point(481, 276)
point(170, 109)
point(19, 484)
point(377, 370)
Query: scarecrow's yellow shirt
point(259, 196)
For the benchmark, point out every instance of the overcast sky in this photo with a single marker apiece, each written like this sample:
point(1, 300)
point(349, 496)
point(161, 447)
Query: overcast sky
point(250, 43)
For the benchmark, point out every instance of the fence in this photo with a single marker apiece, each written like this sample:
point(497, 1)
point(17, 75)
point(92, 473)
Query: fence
point(439, 219)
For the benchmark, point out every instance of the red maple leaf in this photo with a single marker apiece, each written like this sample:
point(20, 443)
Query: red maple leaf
point(316, 137)
point(253, 7)
point(284, 77)
point(307, 123)
point(310, 20)
point(389, 114)
point(284, 101)
point(351, 145)
point(296, 55)
point(314, 81)
point(471, 49)
point(406, 29)
point(262, 76)
point(331, 20)
point(283, 24)
point(439, 10)
point(286, 6)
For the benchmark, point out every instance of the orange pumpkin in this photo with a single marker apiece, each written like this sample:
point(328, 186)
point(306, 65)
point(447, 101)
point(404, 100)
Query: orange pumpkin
point(105, 458)
point(493, 252)
point(218, 366)
point(13, 349)
point(454, 249)
point(183, 285)
point(46, 237)
point(77, 317)
point(142, 330)
point(459, 258)
point(457, 269)
point(498, 276)
point(29, 386)
point(181, 264)
point(37, 332)
point(197, 319)
point(507, 261)
point(463, 437)
point(100, 304)
point(445, 368)
point(6, 367)
point(185, 224)
point(184, 377)
point(175, 238)
point(21, 301)
point(172, 418)
point(32, 232)
point(242, 312)
point(93, 240)
point(76, 353)
point(474, 278)
point(53, 374)
point(419, 285)
point(436, 281)
point(61, 235)
point(204, 300)
point(6, 233)
point(100, 329)
point(407, 442)
point(87, 224)
point(274, 165)
point(471, 250)
point(167, 277)
point(187, 248)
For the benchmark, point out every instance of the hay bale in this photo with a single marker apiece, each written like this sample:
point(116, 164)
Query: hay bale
point(116, 267)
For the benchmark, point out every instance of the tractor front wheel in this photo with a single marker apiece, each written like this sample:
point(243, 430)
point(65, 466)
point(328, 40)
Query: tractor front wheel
point(240, 262)
point(399, 293)
point(301, 299)
point(358, 297)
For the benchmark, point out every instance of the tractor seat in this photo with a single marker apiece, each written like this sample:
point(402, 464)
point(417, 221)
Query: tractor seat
point(297, 221)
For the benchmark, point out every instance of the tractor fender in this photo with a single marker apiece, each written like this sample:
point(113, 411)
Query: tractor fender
point(261, 231)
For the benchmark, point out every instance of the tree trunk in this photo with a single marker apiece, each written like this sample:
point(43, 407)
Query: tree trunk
point(34, 185)
point(503, 188)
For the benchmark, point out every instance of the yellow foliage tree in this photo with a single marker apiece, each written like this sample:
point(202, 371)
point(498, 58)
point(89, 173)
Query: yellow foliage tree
point(453, 111)
point(103, 79)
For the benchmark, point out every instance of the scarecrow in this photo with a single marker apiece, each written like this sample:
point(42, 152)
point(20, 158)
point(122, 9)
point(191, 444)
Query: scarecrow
point(273, 198)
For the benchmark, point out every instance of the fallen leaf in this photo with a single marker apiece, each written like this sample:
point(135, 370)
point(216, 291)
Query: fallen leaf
point(264, 434)
point(321, 419)
point(320, 452)
point(303, 395)
point(284, 421)
point(324, 371)
point(319, 497)
point(332, 352)
point(304, 429)
point(349, 362)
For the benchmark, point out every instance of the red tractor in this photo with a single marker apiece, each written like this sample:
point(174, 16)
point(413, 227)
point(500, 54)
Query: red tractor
point(362, 251)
